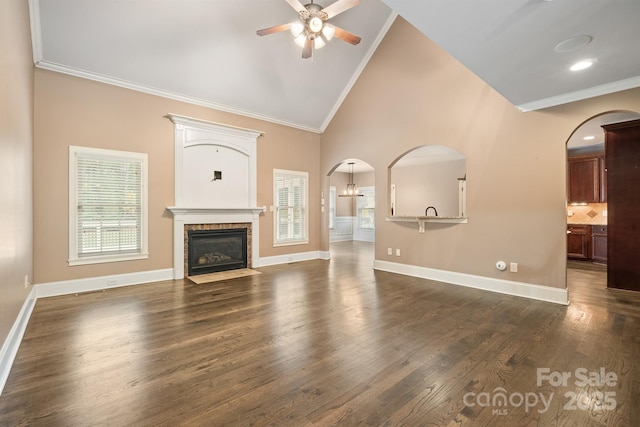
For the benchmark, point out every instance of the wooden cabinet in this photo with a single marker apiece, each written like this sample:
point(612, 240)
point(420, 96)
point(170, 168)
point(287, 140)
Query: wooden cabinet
point(603, 179)
point(587, 242)
point(586, 179)
point(622, 147)
point(579, 241)
point(599, 243)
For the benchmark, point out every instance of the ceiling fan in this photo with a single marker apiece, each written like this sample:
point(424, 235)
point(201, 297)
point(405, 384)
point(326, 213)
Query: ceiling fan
point(313, 30)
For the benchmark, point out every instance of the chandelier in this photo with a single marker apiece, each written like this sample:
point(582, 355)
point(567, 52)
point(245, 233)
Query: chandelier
point(352, 189)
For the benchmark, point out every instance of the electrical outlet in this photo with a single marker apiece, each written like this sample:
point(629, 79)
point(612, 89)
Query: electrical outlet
point(389, 251)
point(398, 252)
point(513, 267)
point(26, 281)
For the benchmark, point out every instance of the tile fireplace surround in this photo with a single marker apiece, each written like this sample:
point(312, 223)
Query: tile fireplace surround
point(215, 183)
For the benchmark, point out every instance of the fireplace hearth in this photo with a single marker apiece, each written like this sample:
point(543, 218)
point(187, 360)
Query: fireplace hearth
point(211, 251)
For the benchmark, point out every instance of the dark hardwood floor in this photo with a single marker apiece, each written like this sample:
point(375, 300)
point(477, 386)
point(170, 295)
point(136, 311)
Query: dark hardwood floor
point(327, 343)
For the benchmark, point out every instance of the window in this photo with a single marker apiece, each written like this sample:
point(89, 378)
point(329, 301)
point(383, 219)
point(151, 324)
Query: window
point(365, 207)
point(107, 205)
point(290, 195)
point(332, 207)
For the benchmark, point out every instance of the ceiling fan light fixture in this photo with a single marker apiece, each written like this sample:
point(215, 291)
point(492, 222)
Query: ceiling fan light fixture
point(311, 31)
point(328, 31)
point(315, 24)
point(297, 28)
point(301, 40)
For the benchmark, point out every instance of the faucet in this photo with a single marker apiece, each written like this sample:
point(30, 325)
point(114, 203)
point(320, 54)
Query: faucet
point(426, 212)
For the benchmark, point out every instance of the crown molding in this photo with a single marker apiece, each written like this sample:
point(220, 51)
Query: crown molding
point(51, 66)
point(580, 95)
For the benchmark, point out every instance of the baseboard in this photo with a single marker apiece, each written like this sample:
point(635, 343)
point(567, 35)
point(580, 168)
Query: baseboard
point(520, 289)
point(297, 257)
point(67, 287)
point(12, 343)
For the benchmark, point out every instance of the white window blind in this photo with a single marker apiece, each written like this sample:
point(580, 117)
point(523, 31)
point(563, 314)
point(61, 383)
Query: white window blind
point(365, 207)
point(290, 195)
point(107, 205)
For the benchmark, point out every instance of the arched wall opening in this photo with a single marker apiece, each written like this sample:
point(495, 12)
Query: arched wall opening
point(350, 204)
point(587, 202)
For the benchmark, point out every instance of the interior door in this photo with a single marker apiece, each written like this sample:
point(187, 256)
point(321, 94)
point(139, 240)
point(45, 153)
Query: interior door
point(622, 157)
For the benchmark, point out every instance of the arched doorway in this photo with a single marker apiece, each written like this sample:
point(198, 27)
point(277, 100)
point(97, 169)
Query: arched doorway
point(587, 203)
point(351, 207)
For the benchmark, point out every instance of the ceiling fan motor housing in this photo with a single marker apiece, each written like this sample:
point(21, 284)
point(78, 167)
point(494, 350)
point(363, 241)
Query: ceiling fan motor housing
point(313, 19)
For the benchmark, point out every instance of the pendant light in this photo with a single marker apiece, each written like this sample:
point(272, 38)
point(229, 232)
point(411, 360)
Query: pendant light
point(352, 189)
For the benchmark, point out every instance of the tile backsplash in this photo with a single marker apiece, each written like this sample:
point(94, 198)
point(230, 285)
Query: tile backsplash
point(592, 213)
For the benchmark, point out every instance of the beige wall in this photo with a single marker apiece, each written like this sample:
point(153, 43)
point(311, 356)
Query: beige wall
point(16, 138)
point(74, 111)
point(346, 206)
point(434, 184)
point(412, 93)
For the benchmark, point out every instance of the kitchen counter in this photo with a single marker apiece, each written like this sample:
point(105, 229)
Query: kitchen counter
point(587, 223)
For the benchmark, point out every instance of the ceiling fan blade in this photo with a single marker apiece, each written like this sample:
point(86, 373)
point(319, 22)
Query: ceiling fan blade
point(308, 48)
point(339, 7)
point(299, 7)
point(346, 36)
point(271, 30)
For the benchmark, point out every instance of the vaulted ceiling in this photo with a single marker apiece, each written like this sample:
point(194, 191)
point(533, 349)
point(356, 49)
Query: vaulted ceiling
point(207, 51)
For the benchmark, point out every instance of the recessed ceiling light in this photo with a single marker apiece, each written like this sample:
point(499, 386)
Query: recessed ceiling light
point(589, 138)
point(581, 65)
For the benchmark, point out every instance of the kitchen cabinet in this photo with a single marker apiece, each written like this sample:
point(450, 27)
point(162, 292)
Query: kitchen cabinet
point(586, 179)
point(603, 178)
point(579, 241)
point(599, 243)
point(622, 148)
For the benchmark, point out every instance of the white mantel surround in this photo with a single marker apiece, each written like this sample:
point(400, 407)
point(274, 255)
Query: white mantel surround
point(202, 148)
point(184, 215)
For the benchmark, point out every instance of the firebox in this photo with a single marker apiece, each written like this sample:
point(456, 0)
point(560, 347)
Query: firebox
point(211, 251)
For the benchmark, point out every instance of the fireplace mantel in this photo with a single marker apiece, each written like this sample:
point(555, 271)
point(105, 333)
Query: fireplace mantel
point(175, 210)
point(183, 216)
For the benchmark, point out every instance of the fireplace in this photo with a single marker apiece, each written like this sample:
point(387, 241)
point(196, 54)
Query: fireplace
point(215, 188)
point(210, 251)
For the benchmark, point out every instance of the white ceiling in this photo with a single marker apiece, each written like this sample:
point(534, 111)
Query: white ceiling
point(510, 44)
point(207, 51)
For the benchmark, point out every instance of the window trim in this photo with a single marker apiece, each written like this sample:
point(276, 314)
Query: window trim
point(305, 208)
point(74, 153)
point(332, 207)
point(366, 192)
